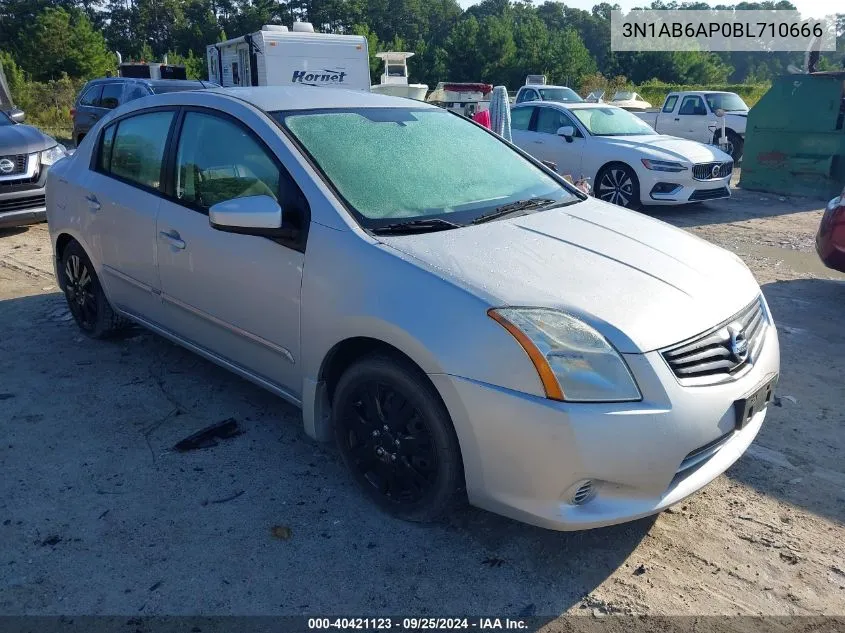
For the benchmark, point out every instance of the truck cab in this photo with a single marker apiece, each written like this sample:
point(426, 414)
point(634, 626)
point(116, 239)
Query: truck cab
point(704, 116)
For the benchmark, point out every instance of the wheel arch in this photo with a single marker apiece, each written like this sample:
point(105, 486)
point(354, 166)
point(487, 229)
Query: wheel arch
point(318, 393)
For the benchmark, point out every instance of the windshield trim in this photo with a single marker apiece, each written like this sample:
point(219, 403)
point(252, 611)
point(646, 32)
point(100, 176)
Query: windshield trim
point(369, 224)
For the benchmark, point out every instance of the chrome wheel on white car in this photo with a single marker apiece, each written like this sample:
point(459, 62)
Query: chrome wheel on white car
point(618, 185)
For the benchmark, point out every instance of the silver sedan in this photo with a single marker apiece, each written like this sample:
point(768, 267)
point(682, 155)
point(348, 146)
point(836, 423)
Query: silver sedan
point(455, 316)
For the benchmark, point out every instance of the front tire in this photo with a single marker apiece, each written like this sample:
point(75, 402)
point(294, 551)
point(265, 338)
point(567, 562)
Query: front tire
point(397, 438)
point(618, 184)
point(84, 294)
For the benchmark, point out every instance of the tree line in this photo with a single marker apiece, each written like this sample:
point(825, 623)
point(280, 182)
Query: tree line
point(497, 41)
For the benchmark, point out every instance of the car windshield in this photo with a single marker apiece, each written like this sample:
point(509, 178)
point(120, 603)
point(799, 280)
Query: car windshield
point(728, 102)
point(611, 122)
point(624, 96)
point(396, 164)
point(564, 95)
point(4, 119)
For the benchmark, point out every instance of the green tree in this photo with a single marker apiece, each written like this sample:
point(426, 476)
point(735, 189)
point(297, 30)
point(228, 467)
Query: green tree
point(63, 41)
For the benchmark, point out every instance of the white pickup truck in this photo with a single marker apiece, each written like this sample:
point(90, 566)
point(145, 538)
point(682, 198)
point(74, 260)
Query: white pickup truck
point(701, 116)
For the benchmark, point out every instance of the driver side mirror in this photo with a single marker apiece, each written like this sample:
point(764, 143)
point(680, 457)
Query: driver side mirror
point(250, 215)
point(567, 132)
point(17, 115)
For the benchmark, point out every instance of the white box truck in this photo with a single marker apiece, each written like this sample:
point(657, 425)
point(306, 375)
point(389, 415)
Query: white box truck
point(277, 56)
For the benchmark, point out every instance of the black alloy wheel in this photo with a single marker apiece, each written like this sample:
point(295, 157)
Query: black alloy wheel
point(84, 294)
point(397, 439)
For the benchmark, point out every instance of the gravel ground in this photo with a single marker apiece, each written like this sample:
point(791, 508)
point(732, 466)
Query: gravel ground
point(99, 516)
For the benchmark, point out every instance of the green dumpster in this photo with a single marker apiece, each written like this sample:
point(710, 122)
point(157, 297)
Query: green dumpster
point(795, 138)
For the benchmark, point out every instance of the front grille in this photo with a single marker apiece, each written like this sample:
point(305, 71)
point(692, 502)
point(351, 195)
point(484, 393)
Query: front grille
point(19, 162)
point(704, 171)
point(19, 184)
point(717, 354)
point(709, 194)
point(20, 204)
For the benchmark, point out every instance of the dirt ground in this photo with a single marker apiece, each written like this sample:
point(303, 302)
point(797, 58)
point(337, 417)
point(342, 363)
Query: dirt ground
point(99, 516)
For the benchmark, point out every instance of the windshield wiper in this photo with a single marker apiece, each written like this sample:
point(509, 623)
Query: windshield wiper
point(415, 226)
point(513, 207)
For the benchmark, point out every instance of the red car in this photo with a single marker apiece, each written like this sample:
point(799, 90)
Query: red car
point(830, 240)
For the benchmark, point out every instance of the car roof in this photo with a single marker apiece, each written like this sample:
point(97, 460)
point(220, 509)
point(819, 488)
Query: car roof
point(544, 86)
point(187, 83)
point(273, 98)
point(184, 83)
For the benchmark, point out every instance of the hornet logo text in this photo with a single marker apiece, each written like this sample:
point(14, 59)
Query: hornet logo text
point(319, 77)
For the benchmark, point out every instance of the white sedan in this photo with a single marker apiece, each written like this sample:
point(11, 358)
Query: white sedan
point(629, 164)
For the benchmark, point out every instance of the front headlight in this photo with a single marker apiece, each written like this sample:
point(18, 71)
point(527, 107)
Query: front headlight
point(50, 156)
point(663, 165)
point(575, 363)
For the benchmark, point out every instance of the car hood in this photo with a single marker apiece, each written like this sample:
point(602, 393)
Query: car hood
point(23, 139)
point(662, 147)
point(643, 283)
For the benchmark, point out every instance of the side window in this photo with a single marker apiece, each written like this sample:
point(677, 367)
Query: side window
point(136, 91)
point(218, 160)
point(692, 105)
point(137, 151)
point(111, 95)
point(550, 120)
point(104, 153)
point(521, 118)
point(91, 97)
point(669, 106)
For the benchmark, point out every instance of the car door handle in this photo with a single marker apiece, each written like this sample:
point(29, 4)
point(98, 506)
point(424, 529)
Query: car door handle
point(539, 142)
point(174, 239)
point(677, 118)
point(93, 203)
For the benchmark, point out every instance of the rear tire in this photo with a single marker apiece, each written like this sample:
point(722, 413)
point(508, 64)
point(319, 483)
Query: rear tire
point(735, 147)
point(618, 184)
point(84, 294)
point(397, 438)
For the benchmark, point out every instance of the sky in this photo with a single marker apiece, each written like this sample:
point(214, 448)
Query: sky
point(808, 8)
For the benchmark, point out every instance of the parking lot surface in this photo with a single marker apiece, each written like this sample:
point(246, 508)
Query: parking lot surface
point(98, 515)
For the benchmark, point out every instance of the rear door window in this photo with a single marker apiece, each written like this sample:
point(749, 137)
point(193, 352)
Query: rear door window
point(133, 148)
point(91, 97)
point(521, 118)
point(111, 96)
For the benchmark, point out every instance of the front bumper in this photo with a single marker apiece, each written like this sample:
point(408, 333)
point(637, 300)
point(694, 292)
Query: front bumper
point(22, 200)
point(524, 455)
point(673, 188)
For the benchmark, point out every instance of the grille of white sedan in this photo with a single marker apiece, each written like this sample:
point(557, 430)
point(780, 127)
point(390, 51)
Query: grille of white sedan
point(712, 171)
point(720, 353)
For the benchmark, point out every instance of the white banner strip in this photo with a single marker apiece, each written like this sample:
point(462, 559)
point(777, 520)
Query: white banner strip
point(720, 30)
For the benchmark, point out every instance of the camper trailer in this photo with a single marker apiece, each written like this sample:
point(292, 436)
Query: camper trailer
point(278, 56)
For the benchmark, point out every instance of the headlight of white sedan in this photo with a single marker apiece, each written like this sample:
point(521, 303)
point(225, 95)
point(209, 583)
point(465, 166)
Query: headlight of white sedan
point(575, 363)
point(663, 165)
point(50, 156)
